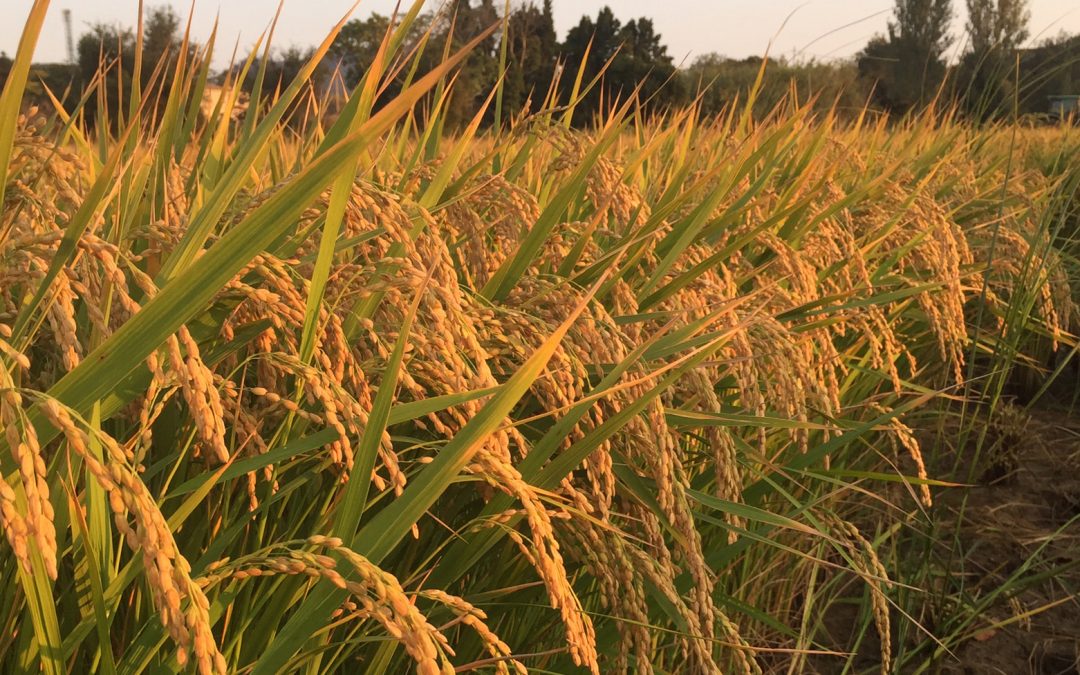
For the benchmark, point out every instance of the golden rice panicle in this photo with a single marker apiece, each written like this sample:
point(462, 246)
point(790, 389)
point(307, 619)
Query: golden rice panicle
point(936, 248)
point(17, 529)
point(474, 618)
point(168, 572)
point(543, 551)
point(601, 548)
point(718, 440)
point(608, 192)
point(903, 434)
point(490, 220)
point(697, 644)
point(868, 566)
point(383, 598)
point(195, 379)
point(1012, 264)
point(22, 440)
point(200, 391)
point(61, 317)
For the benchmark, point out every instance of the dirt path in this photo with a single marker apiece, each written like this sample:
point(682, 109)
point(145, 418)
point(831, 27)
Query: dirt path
point(1020, 530)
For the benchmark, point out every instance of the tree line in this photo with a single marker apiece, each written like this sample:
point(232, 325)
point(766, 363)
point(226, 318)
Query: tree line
point(994, 78)
point(604, 58)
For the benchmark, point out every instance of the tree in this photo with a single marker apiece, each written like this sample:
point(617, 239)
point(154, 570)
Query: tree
point(987, 74)
point(643, 60)
point(161, 39)
point(356, 45)
point(113, 47)
point(908, 67)
point(110, 51)
point(532, 51)
point(637, 55)
point(1048, 69)
point(5, 68)
point(997, 27)
point(720, 82)
point(283, 67)
point(588, 46)
point(480, 70)
point(878, 65)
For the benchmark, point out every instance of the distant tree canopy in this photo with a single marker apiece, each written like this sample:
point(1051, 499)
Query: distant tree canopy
point(1049, 69)
point(5, 66)
point(719, 81)
point(356, 45)
point(532, 48)
point(281, 68)
point(534, 55)
point(995, 77)
point(908, 65)
point(638, 61)
point(987, 75)
point(901, 71)
point(105, 48)
point(111, 49)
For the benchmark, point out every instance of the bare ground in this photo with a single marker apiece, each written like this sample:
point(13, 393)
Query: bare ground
point(1021, 530)
point(1015, 526)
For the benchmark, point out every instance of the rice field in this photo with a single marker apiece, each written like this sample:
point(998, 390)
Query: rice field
point(291, 392)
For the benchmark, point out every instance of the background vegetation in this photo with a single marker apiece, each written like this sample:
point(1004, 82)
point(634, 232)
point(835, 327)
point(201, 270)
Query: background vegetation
point(997, 75)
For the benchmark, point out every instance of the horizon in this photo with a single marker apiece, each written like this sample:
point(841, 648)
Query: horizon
point(822, 30)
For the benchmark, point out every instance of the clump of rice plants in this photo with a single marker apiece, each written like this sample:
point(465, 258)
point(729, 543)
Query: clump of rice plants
point(283, 394)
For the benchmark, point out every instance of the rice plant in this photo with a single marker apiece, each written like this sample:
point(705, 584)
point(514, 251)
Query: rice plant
point(284, 393)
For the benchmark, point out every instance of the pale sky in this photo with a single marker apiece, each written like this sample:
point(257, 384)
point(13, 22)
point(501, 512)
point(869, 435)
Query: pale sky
point(823, 29)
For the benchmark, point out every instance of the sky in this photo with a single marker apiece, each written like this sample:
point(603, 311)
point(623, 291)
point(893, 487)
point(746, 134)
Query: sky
point(822, 29)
